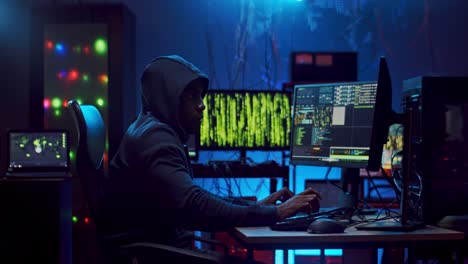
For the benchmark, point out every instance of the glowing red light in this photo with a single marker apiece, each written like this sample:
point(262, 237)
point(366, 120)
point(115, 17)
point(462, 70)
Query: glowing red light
point(46, 103)
point(103, 78)
point(49, 45)
point(65, 103)
point(73, 75)
point(86, 49)
point(86, 220)
point(304, 58)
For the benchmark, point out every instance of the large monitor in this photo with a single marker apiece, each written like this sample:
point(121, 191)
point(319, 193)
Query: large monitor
point(246, 120)
point(332, 124)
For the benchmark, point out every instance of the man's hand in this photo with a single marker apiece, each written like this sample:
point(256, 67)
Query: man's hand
point(314, 204)
point(282, 195)
point(310, 191)
point(297, 203)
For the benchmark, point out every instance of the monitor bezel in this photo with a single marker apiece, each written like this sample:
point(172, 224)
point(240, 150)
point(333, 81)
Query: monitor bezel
point(322, 163)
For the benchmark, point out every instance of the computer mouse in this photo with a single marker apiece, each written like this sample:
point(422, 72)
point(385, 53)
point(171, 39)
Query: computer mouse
point(326, 226)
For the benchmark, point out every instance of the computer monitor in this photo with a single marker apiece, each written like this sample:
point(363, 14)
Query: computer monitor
point(246, 120)
point(384, 117)
point(332, 124)
point(38, 150)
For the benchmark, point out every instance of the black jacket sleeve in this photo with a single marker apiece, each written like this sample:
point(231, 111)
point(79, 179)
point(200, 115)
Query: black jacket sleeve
point(187, 204)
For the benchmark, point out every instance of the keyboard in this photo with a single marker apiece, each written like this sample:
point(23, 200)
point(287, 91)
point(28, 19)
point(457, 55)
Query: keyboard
point(301, 222)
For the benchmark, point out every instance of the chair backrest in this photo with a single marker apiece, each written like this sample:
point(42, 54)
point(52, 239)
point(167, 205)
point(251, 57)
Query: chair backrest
point(91, 133)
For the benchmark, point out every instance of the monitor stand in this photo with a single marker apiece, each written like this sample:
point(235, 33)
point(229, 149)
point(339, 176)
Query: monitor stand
point(350, 180)
point(350, 184)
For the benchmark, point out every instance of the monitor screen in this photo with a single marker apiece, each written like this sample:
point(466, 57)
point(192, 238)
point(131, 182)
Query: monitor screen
point(332, 124)
point(241, 119)
point(38, 150)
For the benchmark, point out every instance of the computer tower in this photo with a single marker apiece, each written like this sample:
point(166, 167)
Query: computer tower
point(439, 143)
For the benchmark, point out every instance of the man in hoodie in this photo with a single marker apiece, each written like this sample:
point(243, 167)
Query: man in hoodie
point(151, 175)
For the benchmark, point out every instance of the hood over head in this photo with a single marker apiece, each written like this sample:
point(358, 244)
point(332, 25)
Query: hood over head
point(162, 83)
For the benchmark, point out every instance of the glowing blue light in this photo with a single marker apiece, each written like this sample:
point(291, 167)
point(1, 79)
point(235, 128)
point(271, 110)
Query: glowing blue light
point(59, 48)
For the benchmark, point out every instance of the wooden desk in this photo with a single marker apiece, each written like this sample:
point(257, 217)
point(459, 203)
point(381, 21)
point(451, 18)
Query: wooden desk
point(263, 238)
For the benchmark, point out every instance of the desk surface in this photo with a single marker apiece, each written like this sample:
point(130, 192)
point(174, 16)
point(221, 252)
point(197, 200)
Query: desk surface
point(265, 238)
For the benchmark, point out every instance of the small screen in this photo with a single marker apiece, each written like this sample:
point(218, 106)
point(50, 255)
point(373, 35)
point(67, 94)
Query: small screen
point(332, 124)
point(38, 150)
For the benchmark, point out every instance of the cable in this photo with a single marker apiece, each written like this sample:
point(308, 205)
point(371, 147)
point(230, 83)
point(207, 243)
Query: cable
point(328, 181)
point(385, 207)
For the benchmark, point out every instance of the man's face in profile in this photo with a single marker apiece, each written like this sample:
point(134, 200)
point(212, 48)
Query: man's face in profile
point(191, 107)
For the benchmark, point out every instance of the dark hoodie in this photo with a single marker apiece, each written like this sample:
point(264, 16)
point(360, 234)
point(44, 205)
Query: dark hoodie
point(151, 176)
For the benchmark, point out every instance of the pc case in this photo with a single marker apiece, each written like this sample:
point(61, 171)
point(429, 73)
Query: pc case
point(439, 143)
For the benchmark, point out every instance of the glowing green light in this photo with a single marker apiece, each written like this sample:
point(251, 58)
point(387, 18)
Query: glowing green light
point(85, 77)
point(28, 155)
point(72, 155)
point(79, 101)
point(56, 102)
point(100, 102)
point(57, 112)
point(75, 219)
point(100, 46)
point(58, 156)
point(21, 145)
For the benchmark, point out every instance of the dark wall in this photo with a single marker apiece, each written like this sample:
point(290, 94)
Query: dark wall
point(14, 69)
point(246, 43)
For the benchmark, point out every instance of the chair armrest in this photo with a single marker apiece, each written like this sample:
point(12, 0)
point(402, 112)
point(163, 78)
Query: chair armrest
point(213, 242)
point(154, 253)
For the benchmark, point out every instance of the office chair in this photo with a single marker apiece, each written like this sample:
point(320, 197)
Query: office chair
point(90, 129)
